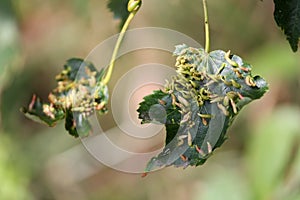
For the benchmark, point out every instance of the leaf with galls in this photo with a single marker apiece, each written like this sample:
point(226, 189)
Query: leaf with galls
point(200, 102)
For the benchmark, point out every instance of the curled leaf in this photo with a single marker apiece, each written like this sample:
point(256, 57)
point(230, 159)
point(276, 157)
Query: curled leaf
point(79, 93)
point(43, 112)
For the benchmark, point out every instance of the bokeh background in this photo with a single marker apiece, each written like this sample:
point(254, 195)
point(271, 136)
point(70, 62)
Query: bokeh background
point(261, 159)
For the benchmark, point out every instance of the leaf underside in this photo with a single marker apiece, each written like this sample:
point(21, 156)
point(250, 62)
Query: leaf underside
point(287, 17)
point(199, 104)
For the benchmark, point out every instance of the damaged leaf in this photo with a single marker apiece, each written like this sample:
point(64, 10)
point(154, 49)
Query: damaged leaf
point(79, 93)
point(200, 103)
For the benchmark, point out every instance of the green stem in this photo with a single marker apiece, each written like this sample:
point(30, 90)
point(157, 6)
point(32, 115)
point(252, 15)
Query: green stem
point(206, 26)
point(116, 49)
point(133, 7)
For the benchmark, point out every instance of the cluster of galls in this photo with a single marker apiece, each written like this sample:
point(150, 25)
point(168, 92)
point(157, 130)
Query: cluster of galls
point(209, 89)
point(79, 93)
point(217, 77)
point(84, 94)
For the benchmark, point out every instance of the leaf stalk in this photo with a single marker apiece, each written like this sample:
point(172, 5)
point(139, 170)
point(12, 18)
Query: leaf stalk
point(133, 7)
point(207, 39)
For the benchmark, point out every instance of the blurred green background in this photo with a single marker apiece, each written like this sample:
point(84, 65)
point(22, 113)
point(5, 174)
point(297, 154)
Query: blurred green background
point(261, 159)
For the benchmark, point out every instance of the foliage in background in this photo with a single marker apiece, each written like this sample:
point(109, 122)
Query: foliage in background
point(287, 17)
point(9, 40)
point(14, 178)
point(272, 171)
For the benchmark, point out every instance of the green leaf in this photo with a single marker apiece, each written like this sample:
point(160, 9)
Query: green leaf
point(79, 93)
point(172, 115)
point(287, 17)
point(119, 9)
point(43, 112)
point(75, 68)
point(77, 124)
point(200, 103)
point(70, 124)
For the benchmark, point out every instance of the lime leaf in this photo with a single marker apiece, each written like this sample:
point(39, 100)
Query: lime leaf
point(119, 9)
point(79, 93)
point(200, 103)
point(287, 17)
point(150, 101)
point(163, 100)
point(72, 68)
point(77, 124)
point(70, 125)
point(43, 112)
